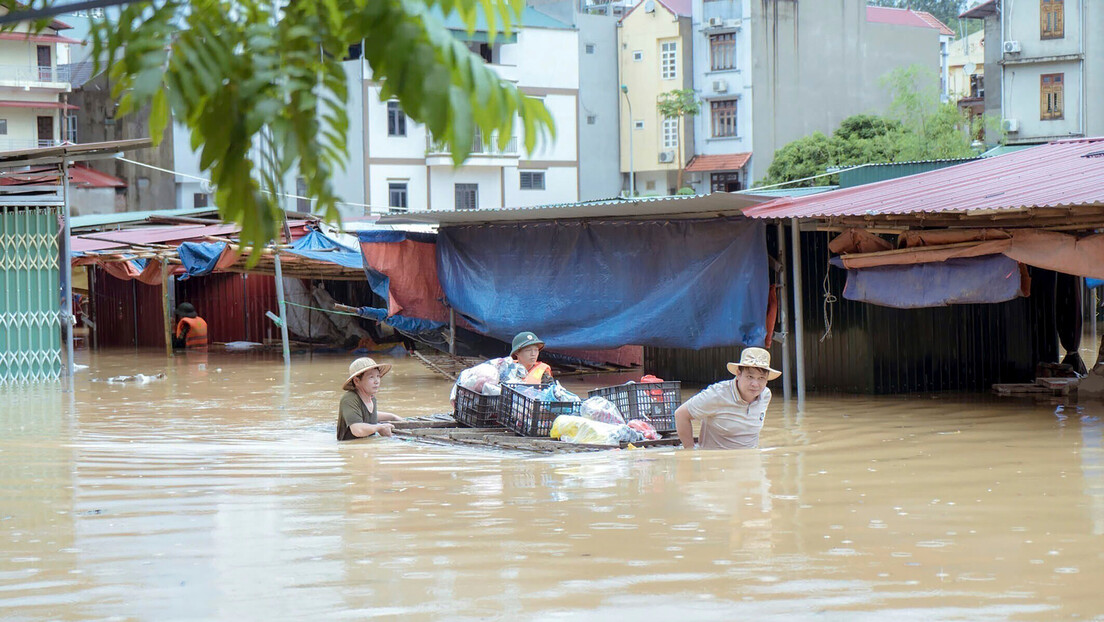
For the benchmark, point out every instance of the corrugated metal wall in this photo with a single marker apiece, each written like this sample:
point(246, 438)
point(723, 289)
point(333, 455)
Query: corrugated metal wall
point(880, 172)
point(128, 313)
point(874, 349)
point(233, 305)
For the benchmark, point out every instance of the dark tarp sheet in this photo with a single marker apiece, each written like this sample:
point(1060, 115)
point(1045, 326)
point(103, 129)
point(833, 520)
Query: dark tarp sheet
point(682, 284)
point(391, 236)
point(993, 278)
point(409, 325)
point(199, 258)
point(317, 245)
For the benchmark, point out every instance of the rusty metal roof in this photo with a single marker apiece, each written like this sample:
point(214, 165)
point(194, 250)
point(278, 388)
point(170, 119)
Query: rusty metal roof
point(1065, 173)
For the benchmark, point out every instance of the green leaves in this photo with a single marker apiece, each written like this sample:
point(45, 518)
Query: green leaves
point(261, 87)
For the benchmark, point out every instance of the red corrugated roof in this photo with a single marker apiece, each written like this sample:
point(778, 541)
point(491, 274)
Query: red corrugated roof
point(79, 176)
point(1059, 174)
point(981, 11)
point(906, 17)
point(680, 8)
point(725, 162)
point(9, 103)
point(24, 36)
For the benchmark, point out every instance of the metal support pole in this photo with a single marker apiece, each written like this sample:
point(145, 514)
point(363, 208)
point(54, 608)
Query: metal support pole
point(281, 305)
point(452, 330)
point(166, 308)
point(1094, 296)
point(784, 315)
point(799, 315)
point(67, 278)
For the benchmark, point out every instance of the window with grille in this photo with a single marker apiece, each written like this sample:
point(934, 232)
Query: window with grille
point(724, 182)
point(3, 126)
point(199, 199)
point(396, 119)
point(1051, 96)
point(396, 194)
point(592, 119)
point(1052, 19)
point(590, 48)
point(722, 51)
point(532, 180)
point(724, 117)
point(668, 60)
point(638, 56)
point(670, 133)
point(467, 196)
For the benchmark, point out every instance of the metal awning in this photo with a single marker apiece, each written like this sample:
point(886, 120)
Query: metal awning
point(72, 153)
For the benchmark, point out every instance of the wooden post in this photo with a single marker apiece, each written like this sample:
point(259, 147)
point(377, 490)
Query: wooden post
point(166, 309)
point(452, 331)
point(784, 315)
point(799, 315)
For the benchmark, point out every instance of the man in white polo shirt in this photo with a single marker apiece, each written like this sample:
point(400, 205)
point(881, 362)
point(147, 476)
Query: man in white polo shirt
point(731, 412)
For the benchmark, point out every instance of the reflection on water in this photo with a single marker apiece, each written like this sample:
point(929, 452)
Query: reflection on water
point(219, 492)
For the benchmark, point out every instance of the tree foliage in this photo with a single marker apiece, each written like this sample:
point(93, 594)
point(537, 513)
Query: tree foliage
point(261, 88)
point(917, 126)
point(678, 104)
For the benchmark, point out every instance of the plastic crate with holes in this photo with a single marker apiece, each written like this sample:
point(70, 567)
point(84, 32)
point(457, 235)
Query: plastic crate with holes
point(654, 402)
point(522, 411)
point(475, 410)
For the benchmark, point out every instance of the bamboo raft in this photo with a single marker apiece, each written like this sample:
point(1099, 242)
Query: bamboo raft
point(443, 430)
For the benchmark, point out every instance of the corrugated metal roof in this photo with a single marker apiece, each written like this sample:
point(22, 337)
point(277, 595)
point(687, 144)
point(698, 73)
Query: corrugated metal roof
point(981, 11)
point(723, 162)
point(906, 17)
point(1060, 174)
point(117, 218)
point(679, 206)
point(871, 173)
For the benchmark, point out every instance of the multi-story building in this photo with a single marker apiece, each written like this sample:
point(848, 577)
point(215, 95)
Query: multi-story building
point(654, 43)
point(966, 72)
point(770, 72)
point(1044, 68)
point(33, 87)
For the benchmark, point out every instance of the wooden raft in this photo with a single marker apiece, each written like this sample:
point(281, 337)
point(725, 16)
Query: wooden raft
point(1045, 387)
point(444, 430)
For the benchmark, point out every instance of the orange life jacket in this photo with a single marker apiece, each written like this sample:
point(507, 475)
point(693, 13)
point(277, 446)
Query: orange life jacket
point(197, 332)
point(537, 373)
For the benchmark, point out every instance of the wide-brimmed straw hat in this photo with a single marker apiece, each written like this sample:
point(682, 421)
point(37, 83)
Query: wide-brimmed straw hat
point(361, 365)
point(757, 358)
point(523, 340)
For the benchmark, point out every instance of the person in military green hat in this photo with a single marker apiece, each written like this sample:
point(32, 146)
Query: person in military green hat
point(526, 350)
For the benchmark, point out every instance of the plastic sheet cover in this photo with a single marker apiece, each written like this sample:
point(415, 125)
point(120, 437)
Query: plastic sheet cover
point(682, 284)
point(199, 258)
point(994, 278)
point(317, 245)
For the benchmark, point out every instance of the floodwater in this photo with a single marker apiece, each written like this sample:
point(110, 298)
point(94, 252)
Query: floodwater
point(221, 494)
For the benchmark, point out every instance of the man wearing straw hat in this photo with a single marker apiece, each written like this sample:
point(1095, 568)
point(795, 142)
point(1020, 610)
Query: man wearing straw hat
point(731, 412)
point(358, 415)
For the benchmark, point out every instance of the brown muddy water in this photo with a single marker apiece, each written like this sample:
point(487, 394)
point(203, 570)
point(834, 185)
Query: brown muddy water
point(221, 494)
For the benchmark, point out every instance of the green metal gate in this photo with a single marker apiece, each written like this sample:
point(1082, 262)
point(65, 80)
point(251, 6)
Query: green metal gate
point(30, 317)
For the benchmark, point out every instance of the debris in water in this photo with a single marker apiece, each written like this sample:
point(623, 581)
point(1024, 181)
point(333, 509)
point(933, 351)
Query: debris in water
point(137, 379)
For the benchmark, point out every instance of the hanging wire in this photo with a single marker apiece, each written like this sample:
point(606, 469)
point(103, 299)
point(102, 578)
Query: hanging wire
point(829, 300)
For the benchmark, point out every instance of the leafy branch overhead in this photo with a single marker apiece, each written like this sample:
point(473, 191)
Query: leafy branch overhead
point(261, 87)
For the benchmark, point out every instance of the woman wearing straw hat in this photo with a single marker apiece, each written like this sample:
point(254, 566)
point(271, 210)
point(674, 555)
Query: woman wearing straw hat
point(731, 412)
point(358, 415)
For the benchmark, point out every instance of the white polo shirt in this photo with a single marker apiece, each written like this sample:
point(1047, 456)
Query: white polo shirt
point(727, 421)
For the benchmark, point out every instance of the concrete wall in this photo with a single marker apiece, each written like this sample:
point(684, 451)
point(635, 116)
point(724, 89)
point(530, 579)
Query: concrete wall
point(816, 63)
point(85, 201)
point(97, 121)
point(599, 145)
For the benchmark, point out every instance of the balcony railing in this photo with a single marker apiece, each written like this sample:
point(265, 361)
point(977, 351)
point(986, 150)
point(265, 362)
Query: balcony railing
point(27, 143)
point(31, 73)
point(479, 146)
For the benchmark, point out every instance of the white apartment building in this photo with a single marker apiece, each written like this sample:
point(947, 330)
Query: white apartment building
point(33, 88)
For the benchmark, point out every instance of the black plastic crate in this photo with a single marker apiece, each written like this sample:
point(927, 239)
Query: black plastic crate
point(529, 416)
point(475, 410)
point(654, 402)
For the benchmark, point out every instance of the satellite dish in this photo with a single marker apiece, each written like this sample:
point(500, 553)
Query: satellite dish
point(649, 6)
point(969, 68)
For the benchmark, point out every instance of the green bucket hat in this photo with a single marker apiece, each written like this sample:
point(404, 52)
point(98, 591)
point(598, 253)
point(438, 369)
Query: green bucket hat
point(525, 339)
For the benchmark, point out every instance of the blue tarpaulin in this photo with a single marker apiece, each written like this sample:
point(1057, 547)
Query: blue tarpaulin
point(988, 279)
point(411, 325)
point(199, 258)
point(319, 246)
point(1091, 283)
point(684, 284)
point(391, 236)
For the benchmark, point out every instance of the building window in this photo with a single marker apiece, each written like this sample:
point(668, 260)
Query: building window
point(670, 133)
point(724, 182)
point(638, 56)
point(1051, 98)
point(638, 125)
point(977, 85)
point(396, 194)
point(531, 180)
point(592, 119)
point(302, 203)
point(668, 60)
point(724, 118)
point(467, 196)
point(199, 199)
point(589, 48)
point(722, 51)
point(1052, 19)
point(396, 119)
point(3, 127)
point(71, 129)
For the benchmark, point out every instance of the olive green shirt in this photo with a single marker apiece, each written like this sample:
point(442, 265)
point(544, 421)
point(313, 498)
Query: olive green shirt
point(352, 410)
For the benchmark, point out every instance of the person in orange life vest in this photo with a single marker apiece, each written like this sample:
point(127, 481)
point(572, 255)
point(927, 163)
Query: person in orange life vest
point(191, 330)
point(525, 350)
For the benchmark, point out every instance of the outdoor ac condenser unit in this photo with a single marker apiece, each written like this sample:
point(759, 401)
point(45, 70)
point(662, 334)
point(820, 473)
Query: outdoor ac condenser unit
point(716, 22)
point(1011, 47)
point(720, 86)
point(666, 156)
point(1010, 125)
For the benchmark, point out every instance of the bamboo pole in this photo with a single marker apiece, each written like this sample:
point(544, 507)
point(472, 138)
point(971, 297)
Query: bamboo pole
point(67, 278)
point(281, 306)
point(799, 315)
point(166, 311)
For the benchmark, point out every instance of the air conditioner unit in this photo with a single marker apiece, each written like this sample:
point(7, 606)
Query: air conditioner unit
point(720, 86)
point(1010, 125)
point(1011, 47)
point(666, 156)
point(716, 22)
